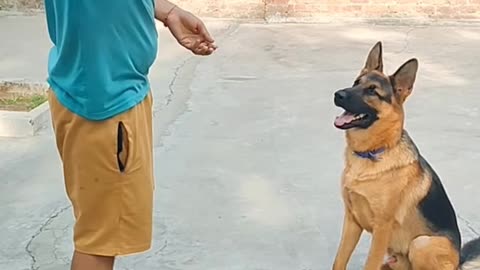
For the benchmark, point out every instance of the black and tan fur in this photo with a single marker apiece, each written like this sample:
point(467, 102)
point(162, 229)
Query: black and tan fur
point(397, 198)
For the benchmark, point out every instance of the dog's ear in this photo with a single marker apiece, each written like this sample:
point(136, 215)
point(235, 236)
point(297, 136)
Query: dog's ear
point(375, 58)
point(404, 78)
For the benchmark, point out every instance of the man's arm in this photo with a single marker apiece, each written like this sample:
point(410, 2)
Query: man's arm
point(187, 29)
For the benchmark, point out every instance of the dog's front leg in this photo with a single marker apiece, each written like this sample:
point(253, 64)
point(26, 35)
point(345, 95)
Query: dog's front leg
point(381, 236)
point(350, 236)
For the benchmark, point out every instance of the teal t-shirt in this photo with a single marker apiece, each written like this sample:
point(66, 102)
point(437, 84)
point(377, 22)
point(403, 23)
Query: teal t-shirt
point(102, 53)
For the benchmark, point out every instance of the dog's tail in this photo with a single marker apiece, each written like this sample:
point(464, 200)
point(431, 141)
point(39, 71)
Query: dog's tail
point(470, 255)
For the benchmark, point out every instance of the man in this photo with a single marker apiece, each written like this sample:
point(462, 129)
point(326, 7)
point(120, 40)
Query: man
point(101, 109)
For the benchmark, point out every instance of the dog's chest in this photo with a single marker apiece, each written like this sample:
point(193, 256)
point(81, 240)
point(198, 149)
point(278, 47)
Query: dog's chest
point(369, 196)
point(360, 209)
point(363, 203)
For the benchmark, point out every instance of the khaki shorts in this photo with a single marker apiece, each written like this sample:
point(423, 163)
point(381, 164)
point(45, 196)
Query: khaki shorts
point(108, 171)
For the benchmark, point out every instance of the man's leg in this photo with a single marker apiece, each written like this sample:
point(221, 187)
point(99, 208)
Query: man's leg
point(82, 261)
point(108, 171)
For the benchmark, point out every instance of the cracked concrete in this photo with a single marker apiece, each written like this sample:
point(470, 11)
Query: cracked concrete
point(57, 231)
point(193, 62)
point(28, 247)
point(247, 161)
point(407, 35)
point(169, 97)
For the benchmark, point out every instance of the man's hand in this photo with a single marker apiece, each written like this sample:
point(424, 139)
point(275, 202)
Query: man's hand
point(190, 32)
point(187, 29)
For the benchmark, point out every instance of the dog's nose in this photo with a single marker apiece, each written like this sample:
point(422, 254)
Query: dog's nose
point(341, 94)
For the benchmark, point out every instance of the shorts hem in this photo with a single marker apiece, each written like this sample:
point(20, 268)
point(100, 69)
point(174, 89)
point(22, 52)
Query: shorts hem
point(114, 252)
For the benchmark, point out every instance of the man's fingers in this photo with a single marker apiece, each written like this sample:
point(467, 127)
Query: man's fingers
point(202, 29)
point(191, 44)
point(199, 46)
point(203, 49)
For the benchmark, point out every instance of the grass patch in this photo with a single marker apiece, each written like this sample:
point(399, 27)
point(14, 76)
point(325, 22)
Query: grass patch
point(22, 102)
point(21, 97)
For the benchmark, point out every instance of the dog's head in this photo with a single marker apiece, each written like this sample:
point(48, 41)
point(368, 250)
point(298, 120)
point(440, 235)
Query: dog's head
point(375, 100)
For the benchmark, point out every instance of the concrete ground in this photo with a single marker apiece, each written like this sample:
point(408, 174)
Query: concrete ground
point(247, 159)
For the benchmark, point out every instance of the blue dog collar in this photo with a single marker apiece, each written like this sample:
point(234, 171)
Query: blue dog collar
point(372, 155)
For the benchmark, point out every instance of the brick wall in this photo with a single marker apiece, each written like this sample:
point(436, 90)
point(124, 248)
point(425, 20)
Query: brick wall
point(225, 8)
point(311, 9)
point(451, 9)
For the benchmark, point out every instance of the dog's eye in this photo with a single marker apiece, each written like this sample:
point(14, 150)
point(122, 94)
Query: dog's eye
point(371, 89)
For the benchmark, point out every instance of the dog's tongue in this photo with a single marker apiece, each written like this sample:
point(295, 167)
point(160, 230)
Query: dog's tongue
point(344, 118)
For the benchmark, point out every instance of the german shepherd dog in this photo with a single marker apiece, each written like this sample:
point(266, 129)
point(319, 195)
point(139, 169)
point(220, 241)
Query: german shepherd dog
point(388, 188)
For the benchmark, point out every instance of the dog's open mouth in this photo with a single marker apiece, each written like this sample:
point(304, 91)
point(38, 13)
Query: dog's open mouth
point(348, 120)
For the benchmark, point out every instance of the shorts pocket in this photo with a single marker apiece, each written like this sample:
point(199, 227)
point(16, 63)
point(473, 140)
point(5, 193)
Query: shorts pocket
point(122, 147)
